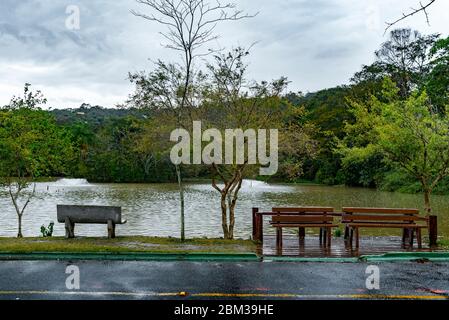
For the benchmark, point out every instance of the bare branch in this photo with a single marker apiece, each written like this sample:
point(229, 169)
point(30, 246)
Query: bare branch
point(191, 22)
point(422, 8)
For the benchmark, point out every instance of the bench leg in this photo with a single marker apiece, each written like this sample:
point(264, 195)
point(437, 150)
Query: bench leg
point(326, 236)
point(279, 239)
point(69, 229)
point(111, 229)
point(351, 236)
point(329, 237)
point(357, 238)
point(407, 237)
point(419, 237)
point(346, 232)
point(321, 235)
point(412, 237)
point(302, 233)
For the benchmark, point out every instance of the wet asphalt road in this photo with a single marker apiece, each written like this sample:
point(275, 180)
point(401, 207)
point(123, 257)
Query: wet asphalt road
point(227, 280)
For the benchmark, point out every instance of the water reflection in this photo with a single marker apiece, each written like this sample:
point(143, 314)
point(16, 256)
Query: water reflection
point(153, 210)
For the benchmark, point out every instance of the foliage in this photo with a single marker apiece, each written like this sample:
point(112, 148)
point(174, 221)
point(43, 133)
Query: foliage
point(437, 81)
point(412, 137)
point(405, 58)
point(47, 232)
point(31, 146)
point(235, 102)
point(333, 136)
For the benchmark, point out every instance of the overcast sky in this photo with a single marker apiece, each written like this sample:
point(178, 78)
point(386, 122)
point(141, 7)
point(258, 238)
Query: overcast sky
point(316, 44)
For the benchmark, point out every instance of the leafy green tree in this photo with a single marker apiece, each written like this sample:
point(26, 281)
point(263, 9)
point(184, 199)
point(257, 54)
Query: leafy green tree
point(31, 146)
point(413, 137)
point(82, 137)
point(437, 84)
point(112, 157)
point(235, 102)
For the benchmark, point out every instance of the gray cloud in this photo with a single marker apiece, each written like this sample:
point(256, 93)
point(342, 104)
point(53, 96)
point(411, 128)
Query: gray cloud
point(317, 44)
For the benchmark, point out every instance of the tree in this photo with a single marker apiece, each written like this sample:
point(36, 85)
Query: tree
point(82, 139)
point(190, 27)
point(405, 58)
point(437, 82)
point(31, 145)
point(409, 133)
point(235, 102)
point(153, 145)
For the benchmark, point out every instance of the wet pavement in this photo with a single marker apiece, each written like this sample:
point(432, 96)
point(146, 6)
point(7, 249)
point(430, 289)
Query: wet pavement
point(228, 280)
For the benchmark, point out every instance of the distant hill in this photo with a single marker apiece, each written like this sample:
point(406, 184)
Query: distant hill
point(94, 115)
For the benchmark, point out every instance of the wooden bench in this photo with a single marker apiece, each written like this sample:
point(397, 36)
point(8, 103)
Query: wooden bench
point(89, 215)
point(406, 219)
point(302, 218)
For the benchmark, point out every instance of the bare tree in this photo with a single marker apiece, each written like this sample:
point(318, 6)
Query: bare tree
point(15, 189)
point(190, 27)
point(422, 8)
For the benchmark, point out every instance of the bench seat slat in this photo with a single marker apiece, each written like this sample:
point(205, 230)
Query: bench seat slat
point(293, 219)
point(381, 210)
point(384, 225)
point(387, 223)
point(304, 209)
point(357, 217)
point(300, 225)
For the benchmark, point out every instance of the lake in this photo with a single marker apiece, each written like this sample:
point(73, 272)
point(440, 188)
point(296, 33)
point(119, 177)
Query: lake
point(153, 209)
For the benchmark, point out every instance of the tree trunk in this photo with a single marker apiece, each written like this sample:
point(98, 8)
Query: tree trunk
point(19, 233)
point(182, 203)
point(231, 217)
point(224, 216)
point(232, 213)
point(231, 222)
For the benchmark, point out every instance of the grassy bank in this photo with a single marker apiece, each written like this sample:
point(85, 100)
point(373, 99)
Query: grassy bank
point(125, 244)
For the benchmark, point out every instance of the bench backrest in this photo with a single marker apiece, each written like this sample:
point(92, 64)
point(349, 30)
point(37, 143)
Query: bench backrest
point(89, 214)
point(380, 215)
point(303, 210)
point(381, 210)
point(303, 219)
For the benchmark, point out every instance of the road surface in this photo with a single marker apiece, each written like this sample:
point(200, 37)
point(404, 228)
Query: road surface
point(228, 280)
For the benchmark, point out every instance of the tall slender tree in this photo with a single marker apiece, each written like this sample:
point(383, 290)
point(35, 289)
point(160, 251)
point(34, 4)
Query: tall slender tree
point(190, 28)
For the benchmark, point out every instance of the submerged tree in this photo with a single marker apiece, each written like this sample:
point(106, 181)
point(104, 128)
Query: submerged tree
point(190, 27)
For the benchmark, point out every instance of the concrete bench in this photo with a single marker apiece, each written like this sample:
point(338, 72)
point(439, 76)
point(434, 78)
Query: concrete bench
point(70, 215)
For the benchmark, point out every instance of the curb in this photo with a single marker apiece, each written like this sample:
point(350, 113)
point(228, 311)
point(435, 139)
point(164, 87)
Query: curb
point(49, 256)
point(320, 260)
point(407, 256)
point(221, 257)
point(387, 257)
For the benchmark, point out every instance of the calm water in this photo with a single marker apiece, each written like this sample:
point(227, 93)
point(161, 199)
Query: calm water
point(153, 209)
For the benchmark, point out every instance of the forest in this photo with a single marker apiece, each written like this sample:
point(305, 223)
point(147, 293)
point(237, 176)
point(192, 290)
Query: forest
point(357, 134)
